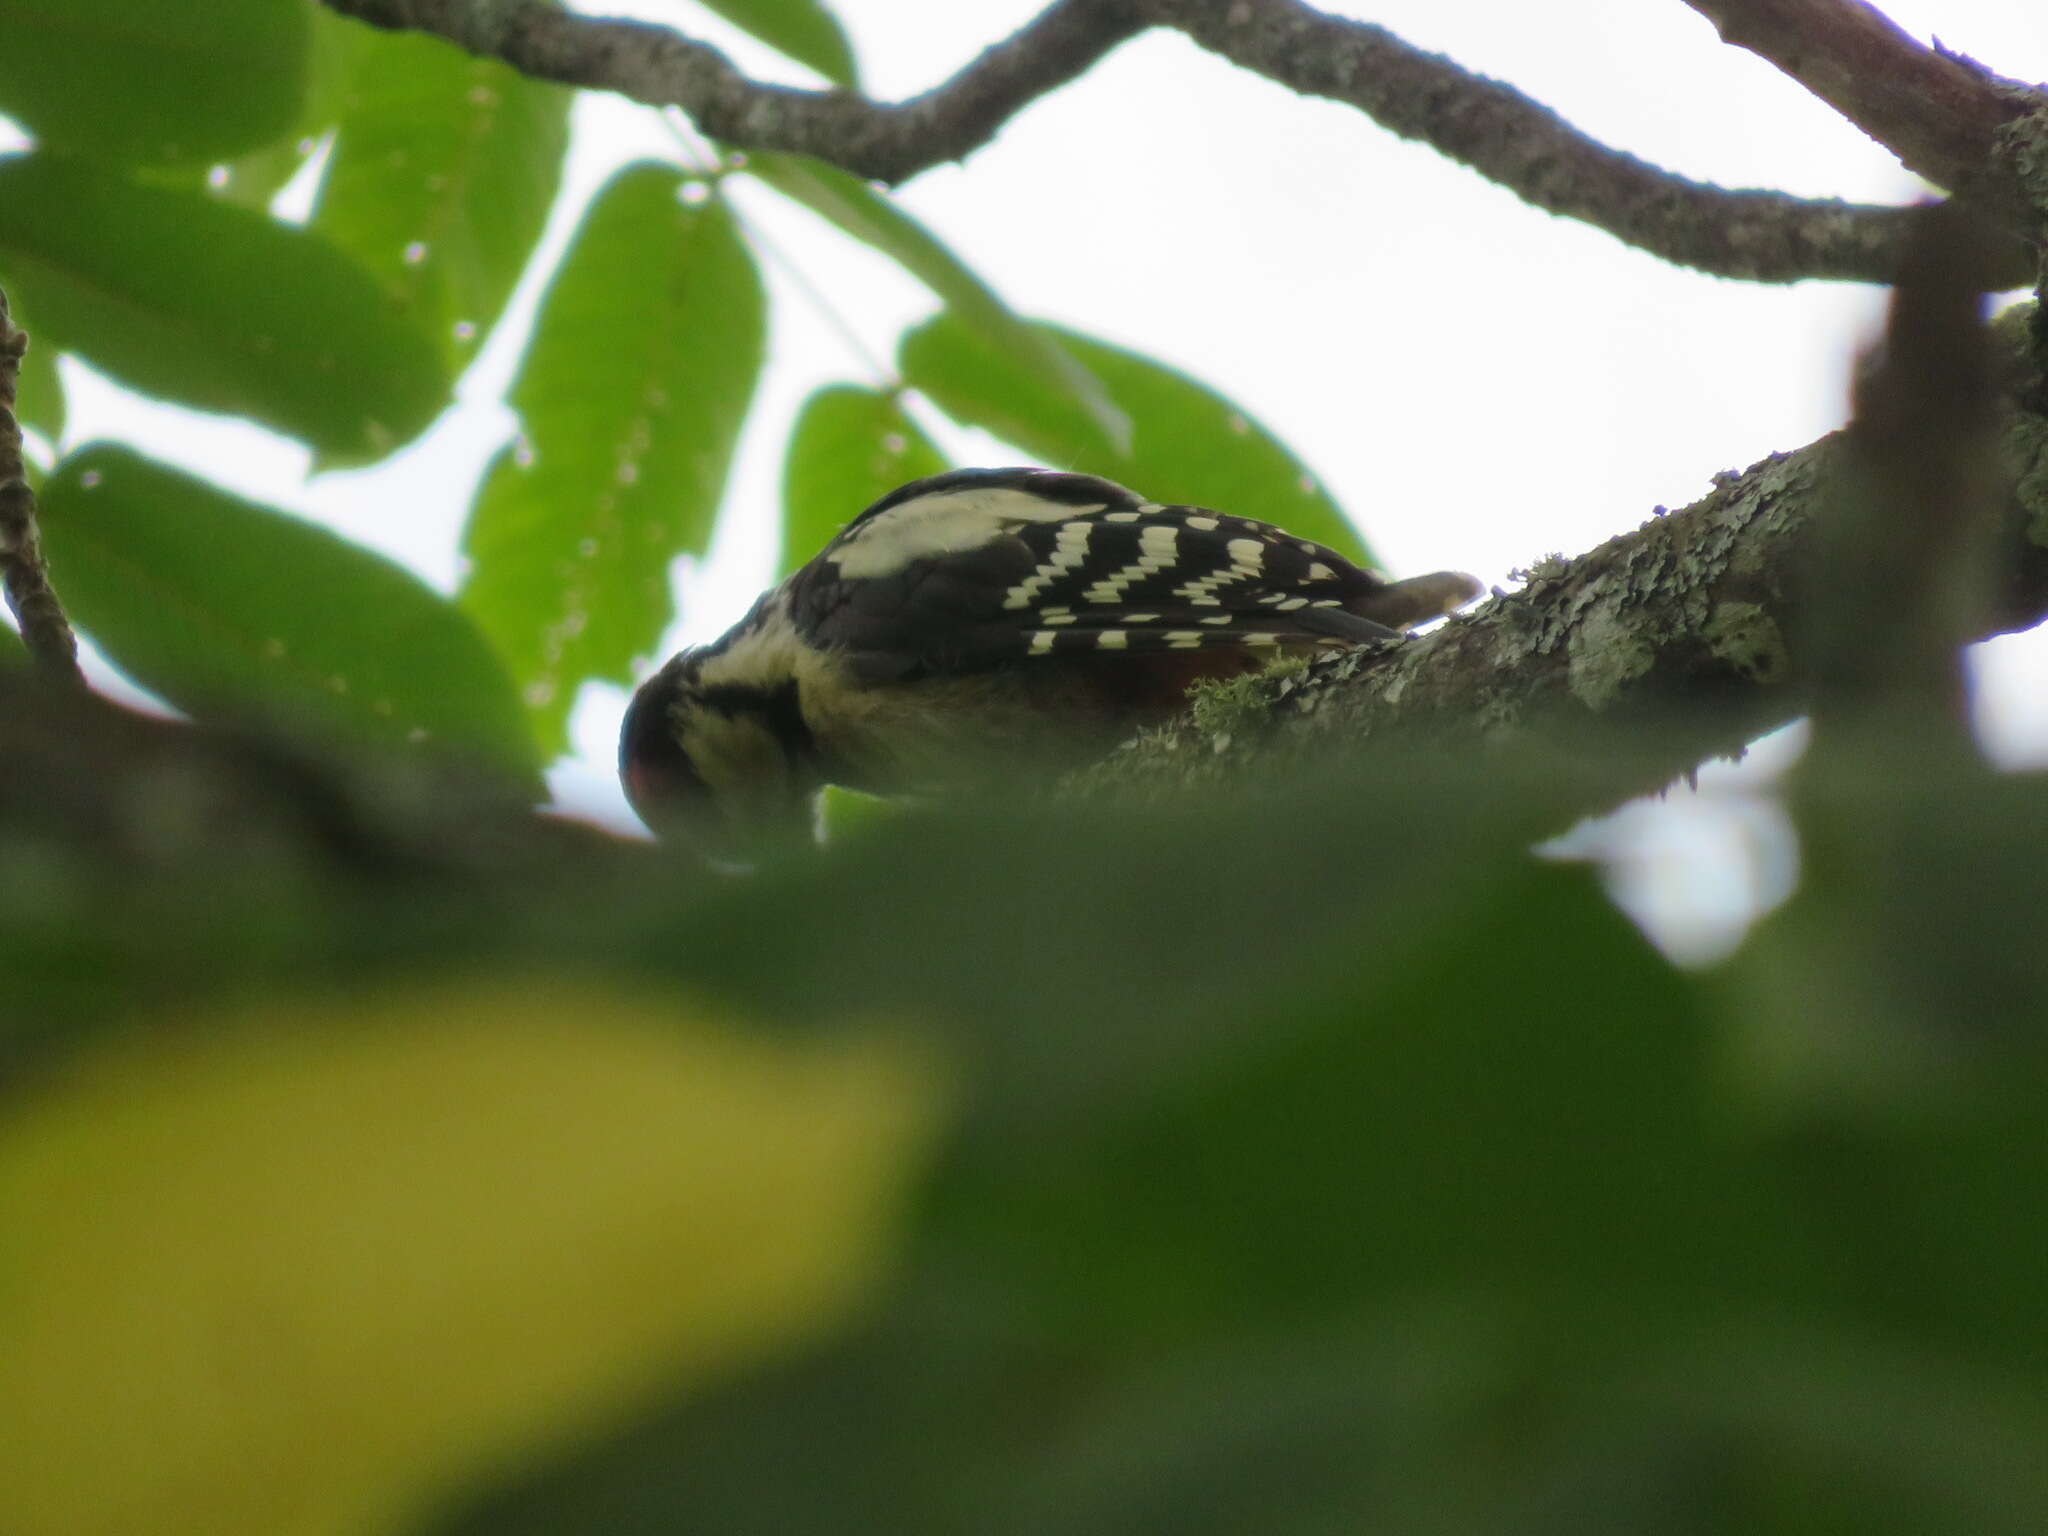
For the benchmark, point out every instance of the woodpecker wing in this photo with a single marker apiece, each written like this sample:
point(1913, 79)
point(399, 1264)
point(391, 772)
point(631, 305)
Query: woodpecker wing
point(981, 568)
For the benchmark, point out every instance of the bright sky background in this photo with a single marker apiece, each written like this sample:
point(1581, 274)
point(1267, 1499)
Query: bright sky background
point(1478, 382)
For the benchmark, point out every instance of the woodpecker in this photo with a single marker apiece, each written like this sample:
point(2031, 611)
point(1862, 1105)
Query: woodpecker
point(983, 623)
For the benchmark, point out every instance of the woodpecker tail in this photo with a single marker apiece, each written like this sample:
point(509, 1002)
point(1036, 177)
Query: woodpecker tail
point(1405, 604)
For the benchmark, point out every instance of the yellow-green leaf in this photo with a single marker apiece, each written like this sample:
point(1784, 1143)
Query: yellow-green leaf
point(309, 1268)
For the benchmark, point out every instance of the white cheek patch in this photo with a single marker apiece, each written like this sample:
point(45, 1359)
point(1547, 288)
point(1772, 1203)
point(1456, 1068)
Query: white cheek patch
point(947, 523)
point(760, 657)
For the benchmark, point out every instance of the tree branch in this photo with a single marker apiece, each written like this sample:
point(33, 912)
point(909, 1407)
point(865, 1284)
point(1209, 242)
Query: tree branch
point(1527, 148)
point(1946, 117)
point(23, 573)
point(1490, 127)
point(1680, 641)
point(884, 141)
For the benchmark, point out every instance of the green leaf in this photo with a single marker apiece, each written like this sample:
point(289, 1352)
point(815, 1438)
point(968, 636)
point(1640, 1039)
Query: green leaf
point(850, 447)
point(169, 82)
point(867, 215)
point(222, 605)
point(803, 29)
point(252, 180)
point(12, 652)
point(187, 297)
point(632, 393)
point(443, 171)
point(39, 391)
point(1188, 443)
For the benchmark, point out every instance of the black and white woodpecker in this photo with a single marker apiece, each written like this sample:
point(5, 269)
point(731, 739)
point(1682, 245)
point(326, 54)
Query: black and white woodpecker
point(983, 623)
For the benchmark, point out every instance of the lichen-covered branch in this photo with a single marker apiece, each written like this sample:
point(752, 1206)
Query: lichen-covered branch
point(23, 573)
point(1489, 126)
point(1665, 646)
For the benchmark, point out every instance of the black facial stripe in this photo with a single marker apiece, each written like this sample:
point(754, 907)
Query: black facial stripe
point(778, 708)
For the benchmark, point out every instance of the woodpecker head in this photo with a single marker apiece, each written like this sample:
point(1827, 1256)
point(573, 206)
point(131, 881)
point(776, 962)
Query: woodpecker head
point(717, 759)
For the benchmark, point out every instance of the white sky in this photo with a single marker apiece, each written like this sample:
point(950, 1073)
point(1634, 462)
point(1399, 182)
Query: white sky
point(1478, 382)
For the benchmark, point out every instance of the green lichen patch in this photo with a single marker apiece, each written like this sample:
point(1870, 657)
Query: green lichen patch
point(1606, 656)
point(1235, 706)
point(1749, 640)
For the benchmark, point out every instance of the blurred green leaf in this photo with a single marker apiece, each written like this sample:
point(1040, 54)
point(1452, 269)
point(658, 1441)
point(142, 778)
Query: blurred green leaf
point(1462, 1227)
point(223, 606)
point(872, 217)
point(1515, 1099)
point(1188, 443)
point(1376, 1213)
point(39, 390)
point(632, 394)
point(12, 652)
point(850, 447)
point(254, 179)
point(1906, 964)
point(184, 296)
point(803, 29)
point(442, 173)
point(170, 82)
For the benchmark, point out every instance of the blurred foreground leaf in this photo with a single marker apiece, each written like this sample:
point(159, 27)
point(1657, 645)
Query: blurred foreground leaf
point(1457, 1229)
point(1187, 442)
point(1909, 963)
point(185, 296)
point(173, 82)
point(309, 1268)
point(631, 396)
point(1322, 1163)
point(226, 607)
point(849, 448)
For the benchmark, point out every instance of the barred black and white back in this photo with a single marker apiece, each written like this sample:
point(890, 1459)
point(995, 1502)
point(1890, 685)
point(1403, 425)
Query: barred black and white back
point(988, 611)
point(982, 567)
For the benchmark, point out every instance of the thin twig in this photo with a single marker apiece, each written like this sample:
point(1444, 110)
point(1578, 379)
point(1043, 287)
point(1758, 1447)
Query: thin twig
point(23, 573)
point(1759, 236)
